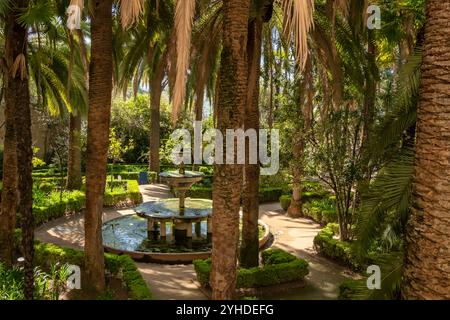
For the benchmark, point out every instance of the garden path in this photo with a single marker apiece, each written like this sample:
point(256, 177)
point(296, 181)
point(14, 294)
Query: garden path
point(176, 281)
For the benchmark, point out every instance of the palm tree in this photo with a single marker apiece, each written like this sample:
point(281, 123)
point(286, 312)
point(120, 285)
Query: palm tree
point(148, 57)
point(99, 114)
point(228, 178)
point(427, 273)
point(100, 91)
point(9, 191)
point(74, 175)
point(18, 115)
point(249, 253)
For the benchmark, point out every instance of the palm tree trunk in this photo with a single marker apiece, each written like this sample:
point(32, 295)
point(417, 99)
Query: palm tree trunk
point(427, 263)
point(100, 88)
point(74, 174)
point(295, 209)
point(156, 88)
point(228, 177)
point(10, 192)
point(74, 179)
point(19, 95)
point(249, 255)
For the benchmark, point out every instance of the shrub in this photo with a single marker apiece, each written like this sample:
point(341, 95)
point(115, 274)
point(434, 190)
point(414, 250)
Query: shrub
point(47, 187)
point(270, 194)
point(279, 267)
point(48, 254)
point(323, 211)
point(276, 256)
point(52, 206)
point(130, 193)
point(199, 192)
point(285, 202)
point(326, 244)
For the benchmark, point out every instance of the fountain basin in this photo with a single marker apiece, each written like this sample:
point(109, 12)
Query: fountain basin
point(128, 235)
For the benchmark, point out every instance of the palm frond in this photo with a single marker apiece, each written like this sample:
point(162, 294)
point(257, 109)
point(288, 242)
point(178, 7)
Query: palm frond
point(130, 11)
point(184, 16)
point(298, 20)
point(390, 193)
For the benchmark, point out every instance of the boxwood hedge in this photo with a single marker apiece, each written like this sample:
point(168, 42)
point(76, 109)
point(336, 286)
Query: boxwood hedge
point(278, 267)
point(50, 254)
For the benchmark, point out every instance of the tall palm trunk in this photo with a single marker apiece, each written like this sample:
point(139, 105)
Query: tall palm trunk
point(427, 263)
point(156, 88)
point(249, 255)
point(305, 109)
point(228, 177)
point(74, 179)
point(295, 209)
point(14, 39)
point(18, 98)
point(74, 174)
point(100, 88)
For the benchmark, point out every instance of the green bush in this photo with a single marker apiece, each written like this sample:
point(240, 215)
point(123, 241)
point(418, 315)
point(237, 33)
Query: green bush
point(267, 195)
point(199, 192)
point(323, 211)
point(205, 192)
point(285, 202)
point(52, 206)
point(276, 256)
point(279, 267)
point(47, 187)
point(326, 244)
point(130, 194)
point(50, 254)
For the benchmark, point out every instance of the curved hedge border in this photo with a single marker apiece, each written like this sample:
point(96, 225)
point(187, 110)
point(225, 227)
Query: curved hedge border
point(342, 252)
point(279, 267)
point(50, 254)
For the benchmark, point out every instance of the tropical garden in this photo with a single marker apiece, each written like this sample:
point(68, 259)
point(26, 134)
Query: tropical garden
point(355, 95)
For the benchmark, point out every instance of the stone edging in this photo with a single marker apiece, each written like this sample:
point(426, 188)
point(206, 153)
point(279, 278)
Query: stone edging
point(179, 258)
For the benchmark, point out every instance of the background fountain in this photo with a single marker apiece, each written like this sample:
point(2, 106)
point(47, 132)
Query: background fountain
point(180, 213)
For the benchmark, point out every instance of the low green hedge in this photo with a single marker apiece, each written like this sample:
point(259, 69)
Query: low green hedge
point(266, 195)
point(321, 210)
point(74, 201)
point(285, 202)
point(131, 194)
point(343, 252)
point(278, 267)
point(50, 254)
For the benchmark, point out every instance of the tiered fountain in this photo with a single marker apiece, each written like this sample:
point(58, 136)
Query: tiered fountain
point(164, 228)
point(180, 213)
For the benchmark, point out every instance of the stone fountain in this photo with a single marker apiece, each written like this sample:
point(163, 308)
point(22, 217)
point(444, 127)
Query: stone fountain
point(181, 214)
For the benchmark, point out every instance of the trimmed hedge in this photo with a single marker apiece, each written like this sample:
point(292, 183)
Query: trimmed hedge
point(75, 201)
point(266, 195)
point(278, 267)
point(323, 211)
point(326, 244)
point(131, 194)
point(285, 202)
point(50, 254)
